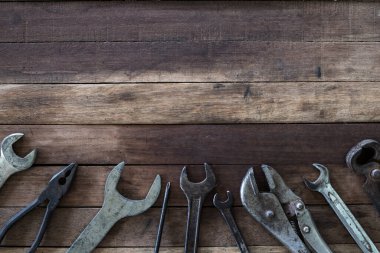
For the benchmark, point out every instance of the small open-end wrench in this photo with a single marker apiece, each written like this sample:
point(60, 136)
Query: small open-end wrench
point(115, 207)
point(224, 208)
point(322, 185)
point(195, 194)
point(11, 163)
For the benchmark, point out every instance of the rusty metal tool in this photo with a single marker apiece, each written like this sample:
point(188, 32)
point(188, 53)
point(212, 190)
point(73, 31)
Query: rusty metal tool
point(224, 208)
point(364, 159)
point(282, 213)
point(115, 207)
point(162, 218)
point(56, 188)
point(195, 194)
point(322, 185)
point(11, 163)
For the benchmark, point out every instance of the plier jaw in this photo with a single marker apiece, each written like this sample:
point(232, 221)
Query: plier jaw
point(281, 212)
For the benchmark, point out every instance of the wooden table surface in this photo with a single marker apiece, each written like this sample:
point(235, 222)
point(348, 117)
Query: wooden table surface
point(162, 85)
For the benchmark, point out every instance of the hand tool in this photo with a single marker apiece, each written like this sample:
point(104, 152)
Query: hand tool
point(364, 159)
point(282, 213)
point(195, 194)
point(162, 218)
point(115, 207)
point(224, 208)
point(11, 163)
point(322, 185)
point(58, 185)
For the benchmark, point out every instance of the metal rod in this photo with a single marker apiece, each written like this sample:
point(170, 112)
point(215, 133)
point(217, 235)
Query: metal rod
point(162, 218)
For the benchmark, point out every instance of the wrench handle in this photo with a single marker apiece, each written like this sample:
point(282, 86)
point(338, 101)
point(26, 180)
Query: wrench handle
point(229, 218)
point(192, 228)
point(93, 234)
point(348, 220)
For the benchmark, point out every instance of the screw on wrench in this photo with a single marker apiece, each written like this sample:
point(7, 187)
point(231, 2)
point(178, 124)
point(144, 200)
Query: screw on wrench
point(195, 194)
point(115, 207)
point(224, 208)
point(322, 185)
point(11, 163)
point(364, 159)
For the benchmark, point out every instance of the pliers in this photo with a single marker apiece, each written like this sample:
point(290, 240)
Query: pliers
point(282, 213)
point(56, 188)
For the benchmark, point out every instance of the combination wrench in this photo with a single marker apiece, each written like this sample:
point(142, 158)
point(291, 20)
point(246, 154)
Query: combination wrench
point(322, 185)
point(224, 208)
point(195, 194)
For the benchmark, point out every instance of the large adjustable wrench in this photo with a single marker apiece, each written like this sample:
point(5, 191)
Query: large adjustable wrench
point(11, 163)
point(115, 207)
point(364, 159)
point(195, 194)
point(322, 185)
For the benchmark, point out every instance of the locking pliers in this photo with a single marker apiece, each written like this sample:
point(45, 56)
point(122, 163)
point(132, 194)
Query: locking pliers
point(282, 213)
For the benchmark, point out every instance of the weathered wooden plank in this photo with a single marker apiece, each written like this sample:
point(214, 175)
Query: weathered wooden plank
point(140, 231)
point(230, 61)
point(164, 103)
point(338, 248)
point(195, 21)
point(88, 187)
point(276, 144)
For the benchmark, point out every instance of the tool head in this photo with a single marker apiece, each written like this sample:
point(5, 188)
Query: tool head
point(226, 204)
point(364, 156)
point(200, 188)
point(321, 181)
point(265, 208)
point(11, 159)
point(60, 183)
point(121, 206)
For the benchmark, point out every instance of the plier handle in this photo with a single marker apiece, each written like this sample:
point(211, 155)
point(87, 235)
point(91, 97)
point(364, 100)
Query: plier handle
point(56, 188)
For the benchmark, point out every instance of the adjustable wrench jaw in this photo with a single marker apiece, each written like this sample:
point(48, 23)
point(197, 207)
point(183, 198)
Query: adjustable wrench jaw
point(364, 159)
point(11, 163)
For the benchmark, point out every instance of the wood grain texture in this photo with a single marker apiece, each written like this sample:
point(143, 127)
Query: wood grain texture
point(87, 189)
point(276, 144)
point(167, 103)
point(224, 61)
point(140, 231)
point(338, 248)
point(194, 21)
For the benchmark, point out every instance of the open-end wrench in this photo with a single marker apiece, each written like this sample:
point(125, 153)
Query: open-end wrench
point(322, 185)
point(195, 194)
point(11, 163)
point(115, 207)
point(224, 208)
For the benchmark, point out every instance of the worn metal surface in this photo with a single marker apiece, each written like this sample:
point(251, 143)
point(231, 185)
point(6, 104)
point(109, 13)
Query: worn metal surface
point(322, 185)
point(56, 188)
point(162, 219)
point(11, 163)
point(224, 208)
point(281, 212)
point(195, 194)
point(364, 159)
point(115, 207)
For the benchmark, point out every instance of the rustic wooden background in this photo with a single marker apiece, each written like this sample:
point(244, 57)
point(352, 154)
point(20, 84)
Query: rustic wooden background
point(163, 85)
